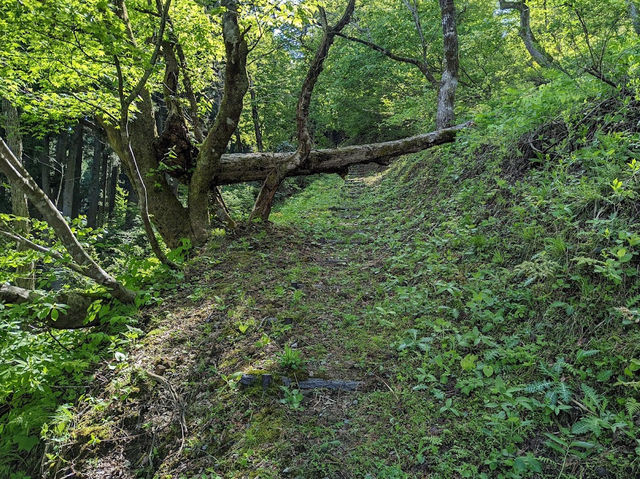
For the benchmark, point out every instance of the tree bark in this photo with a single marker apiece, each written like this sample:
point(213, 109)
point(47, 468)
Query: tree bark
point(60, 160)
point(22, 180)
point(45, 166)
point(19, 206)
point(94, 184)
point(226, 122)
point(71, 173)
point(244, 167)
point(445, 115)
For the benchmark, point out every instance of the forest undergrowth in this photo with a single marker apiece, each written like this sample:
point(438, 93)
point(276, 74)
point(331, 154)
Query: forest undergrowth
point(483, 296)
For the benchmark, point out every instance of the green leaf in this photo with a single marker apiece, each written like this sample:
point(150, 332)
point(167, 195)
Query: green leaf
point(26, 443)
point(583, 444)
point(468, 363)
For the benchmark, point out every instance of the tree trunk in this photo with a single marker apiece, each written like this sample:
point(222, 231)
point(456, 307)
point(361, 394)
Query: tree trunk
point(216, 141)
point(537, 52)
point(45, 166)
point(142, 167)
point(73, 317)
point(19, 206)
point(94, 184)
point(132, 203)
point(22, 180)
point(113, 189)
point(77, 177)
point(445, 115)
point(104, 181)
point(60, 160)
point(70, 173)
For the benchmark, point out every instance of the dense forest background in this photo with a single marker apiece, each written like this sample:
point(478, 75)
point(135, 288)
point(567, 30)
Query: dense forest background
point(208, 205)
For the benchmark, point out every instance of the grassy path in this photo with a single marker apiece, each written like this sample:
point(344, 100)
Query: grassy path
point(462, 371)
point(307, 287)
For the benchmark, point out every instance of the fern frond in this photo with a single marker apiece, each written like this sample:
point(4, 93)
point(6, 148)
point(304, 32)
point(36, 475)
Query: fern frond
point(633, 301)
point(583, 426)
point(572, 369)
point(632, 406)
point(552, 397)
point(537, 387)
point(546, 371)
point(492, 355)
point(564, 392)
point(590, 395)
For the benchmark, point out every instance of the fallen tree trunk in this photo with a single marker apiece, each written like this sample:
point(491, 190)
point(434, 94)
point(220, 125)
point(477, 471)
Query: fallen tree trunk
point(242, 167)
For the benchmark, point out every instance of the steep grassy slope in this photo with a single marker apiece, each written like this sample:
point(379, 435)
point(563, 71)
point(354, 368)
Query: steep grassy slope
point(485, 296)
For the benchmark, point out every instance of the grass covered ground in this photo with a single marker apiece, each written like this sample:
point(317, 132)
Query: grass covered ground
point(485, 295)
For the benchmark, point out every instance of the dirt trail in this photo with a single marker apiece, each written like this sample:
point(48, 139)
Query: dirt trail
point(175, 407)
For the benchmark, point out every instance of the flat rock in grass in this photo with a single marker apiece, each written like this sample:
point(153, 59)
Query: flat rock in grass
point(337, 262)
point(248, 380)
